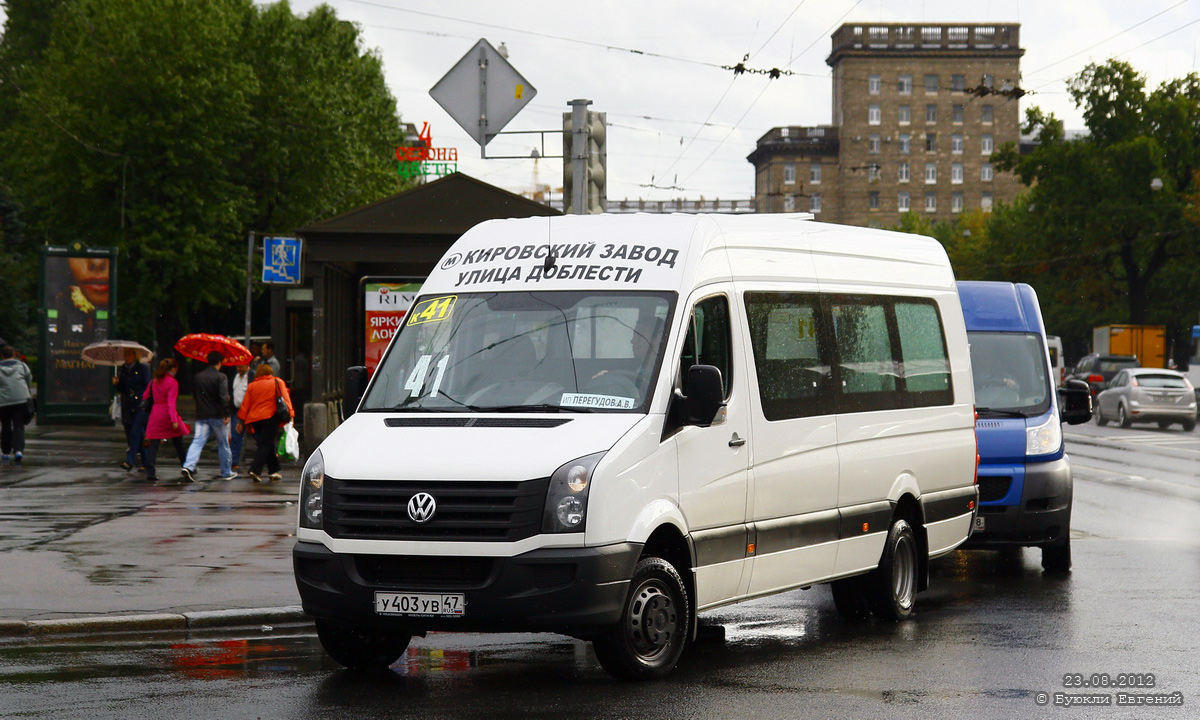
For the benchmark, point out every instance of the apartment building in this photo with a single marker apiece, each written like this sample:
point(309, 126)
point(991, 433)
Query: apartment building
point(918, 111)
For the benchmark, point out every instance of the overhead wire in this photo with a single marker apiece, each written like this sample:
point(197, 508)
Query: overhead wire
point(725, 94)
point(1126, 52)
point(764, 90)
point(1110, 37)
point(535, 33)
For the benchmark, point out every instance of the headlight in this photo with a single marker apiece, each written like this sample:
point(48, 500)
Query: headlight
point(1045, 438)
point(566, 498)
point(312, 492)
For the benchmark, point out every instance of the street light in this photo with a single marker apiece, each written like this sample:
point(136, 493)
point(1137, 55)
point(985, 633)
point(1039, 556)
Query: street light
point(1156, 184)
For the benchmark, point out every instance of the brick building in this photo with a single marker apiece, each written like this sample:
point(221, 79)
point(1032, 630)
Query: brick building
point(918, 110)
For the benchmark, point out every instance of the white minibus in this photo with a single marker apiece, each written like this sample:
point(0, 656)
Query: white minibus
point(604, 425)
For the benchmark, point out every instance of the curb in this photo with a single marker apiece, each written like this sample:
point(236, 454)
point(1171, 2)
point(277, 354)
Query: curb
point(145, 622)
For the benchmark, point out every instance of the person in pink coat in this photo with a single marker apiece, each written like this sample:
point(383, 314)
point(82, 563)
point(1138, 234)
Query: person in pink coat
point(164, 422)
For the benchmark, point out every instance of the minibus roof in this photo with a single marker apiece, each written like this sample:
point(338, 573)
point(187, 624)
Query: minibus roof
point(1000, 307)
point(642, 251)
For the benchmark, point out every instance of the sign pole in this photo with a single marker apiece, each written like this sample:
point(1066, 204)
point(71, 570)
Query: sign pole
point(483, 64)
point(249, 280)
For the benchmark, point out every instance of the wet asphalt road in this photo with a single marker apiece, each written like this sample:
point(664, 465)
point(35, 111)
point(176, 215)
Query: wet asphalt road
point(991, 634)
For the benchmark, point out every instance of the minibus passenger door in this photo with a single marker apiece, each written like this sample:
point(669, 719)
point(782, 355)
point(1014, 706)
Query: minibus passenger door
point(713, 460)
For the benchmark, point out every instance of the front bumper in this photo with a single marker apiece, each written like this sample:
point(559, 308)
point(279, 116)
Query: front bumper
point(573, 591)
point(1041, 517)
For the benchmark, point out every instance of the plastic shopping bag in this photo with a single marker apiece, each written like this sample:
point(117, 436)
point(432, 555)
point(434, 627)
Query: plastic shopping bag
point(288, 445)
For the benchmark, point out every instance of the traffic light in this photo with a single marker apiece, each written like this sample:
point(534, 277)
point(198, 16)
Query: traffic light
point(594, 157)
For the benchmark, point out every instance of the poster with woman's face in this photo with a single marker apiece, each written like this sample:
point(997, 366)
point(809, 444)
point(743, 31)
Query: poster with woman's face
point(77, 303)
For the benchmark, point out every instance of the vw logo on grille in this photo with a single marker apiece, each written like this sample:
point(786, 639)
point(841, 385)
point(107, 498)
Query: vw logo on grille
point(421, 507)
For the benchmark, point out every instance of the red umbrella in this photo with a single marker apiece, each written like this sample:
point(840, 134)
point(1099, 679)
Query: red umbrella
point(197, 346)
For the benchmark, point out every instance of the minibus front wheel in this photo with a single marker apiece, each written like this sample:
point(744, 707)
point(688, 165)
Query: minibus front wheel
point(357, 649)
point(648, 639)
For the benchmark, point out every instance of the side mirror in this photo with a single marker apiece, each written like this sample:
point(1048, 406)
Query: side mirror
point(705, 395)
point(1075, 402)
point(356, 384)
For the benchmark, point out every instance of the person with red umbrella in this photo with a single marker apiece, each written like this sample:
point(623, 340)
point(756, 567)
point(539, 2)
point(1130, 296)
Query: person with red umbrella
point(211, 390)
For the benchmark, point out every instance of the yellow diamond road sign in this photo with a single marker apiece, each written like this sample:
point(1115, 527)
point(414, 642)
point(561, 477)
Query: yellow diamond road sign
point(482, 92)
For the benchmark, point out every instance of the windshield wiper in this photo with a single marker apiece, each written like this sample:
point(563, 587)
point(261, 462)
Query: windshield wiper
point(1000, 412)
point(423, 409)
point(541, 407)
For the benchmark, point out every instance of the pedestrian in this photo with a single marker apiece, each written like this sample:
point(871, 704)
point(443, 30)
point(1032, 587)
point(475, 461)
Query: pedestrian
point(131, 380)
point(16, 387)
point(258, 414)
point(211, 390)
point(164, 422)
point(238, 438)
point(267, 356)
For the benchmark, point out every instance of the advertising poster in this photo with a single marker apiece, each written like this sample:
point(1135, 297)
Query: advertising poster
point(77, 301)
point(385, 304)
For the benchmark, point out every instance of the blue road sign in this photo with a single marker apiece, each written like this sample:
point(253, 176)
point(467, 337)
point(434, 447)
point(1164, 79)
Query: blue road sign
point(281, 261)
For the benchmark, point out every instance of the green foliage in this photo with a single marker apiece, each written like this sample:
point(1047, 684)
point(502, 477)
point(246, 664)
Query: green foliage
point(1099, 244)
point(171, 128)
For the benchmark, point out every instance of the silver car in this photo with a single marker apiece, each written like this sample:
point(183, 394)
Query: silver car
point(1147, 395)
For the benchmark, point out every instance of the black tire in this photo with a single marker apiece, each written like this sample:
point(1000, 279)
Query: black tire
point(1164, 424)
point(1100, 419)
point(892, 587)
point(1123, 418)
point(1188, 425)
point(850, 598)
point(1057, 558)
point(361, 650)
point(649, 638)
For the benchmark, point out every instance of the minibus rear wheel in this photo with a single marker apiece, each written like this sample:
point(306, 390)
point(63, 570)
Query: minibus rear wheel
point(649, 638)
point(356, 649)
point(892, 587)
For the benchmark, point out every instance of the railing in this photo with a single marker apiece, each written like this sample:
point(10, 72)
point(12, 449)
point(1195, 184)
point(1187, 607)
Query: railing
point(948, 36)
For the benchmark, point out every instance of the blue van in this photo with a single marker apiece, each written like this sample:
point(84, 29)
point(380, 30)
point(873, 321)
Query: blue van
point(1024, 473)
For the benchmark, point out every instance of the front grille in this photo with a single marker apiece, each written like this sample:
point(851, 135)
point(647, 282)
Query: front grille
point(424, 572)
point(492, 511)
point(993, 488)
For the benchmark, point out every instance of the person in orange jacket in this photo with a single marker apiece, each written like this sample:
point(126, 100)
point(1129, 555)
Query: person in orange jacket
point(258, 414)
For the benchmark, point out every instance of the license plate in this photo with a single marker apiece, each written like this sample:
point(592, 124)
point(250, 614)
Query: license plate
point(419, 604)
point(979, 523)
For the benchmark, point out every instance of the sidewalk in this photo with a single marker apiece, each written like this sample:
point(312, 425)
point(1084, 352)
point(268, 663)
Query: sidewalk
point(88, 547)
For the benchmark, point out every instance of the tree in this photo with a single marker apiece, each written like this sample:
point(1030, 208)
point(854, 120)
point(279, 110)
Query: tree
point(1092, 226)
point(964, 238)
point(21, 47)
point(171, 128)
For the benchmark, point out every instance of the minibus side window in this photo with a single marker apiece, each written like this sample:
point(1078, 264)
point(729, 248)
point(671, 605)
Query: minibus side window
point(868, 374)
point(925, 366)
point(708, 340)
point(791, 354)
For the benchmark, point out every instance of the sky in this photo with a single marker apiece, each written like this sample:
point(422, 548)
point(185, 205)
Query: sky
point(679, 125)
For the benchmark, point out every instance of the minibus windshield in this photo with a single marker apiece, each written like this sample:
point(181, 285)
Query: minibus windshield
point(1010, 374)
point(525, 352)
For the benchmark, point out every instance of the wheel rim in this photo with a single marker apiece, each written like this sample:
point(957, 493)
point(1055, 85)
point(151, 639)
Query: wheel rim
point(904, 572)
point(653, 620)
point(1121, 415)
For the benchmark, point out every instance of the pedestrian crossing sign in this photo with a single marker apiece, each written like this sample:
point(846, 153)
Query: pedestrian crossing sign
point(281, 261)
